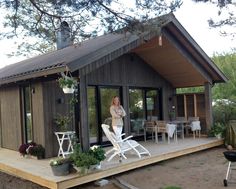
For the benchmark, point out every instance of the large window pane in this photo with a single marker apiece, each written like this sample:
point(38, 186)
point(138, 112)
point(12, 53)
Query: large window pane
point(27, 114)
point(137, 113)
point(92, 115)
point(152, 105)
point(106, 95)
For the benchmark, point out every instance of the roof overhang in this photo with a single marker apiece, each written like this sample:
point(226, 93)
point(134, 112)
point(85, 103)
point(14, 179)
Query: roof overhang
point(179, 60)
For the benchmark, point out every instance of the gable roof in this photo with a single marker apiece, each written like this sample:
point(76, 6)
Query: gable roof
point(96, 52)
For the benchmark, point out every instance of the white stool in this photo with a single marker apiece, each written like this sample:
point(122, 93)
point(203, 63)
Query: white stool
point(65, 136)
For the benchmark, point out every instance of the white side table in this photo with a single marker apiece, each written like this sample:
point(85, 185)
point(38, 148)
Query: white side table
point(61, 138)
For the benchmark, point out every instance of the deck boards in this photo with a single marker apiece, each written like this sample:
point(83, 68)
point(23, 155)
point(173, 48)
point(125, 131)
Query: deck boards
point(39, 171)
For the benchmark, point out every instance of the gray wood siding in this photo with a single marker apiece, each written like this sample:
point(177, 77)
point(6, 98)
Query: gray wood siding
point(52, 94)
point(37, 114)
point(131, 71)
point(10, 118)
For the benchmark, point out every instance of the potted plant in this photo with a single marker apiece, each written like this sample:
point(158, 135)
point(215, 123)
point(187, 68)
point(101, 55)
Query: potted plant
point(98, 153)
point(60, 166)
point(68, 84)
point(37, 151)
point(218, 130)
point(83, 161)
point(62, 122)
point(24, 148)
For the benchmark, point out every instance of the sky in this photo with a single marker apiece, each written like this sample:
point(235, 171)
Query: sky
point(193, 16)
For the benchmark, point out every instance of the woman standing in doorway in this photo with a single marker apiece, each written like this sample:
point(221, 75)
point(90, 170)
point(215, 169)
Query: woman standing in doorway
point(117, 113)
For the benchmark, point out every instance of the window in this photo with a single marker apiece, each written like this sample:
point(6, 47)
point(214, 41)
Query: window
point(27, 114)
point(144, 104)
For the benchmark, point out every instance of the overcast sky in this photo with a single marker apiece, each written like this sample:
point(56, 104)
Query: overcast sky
point(191, 15)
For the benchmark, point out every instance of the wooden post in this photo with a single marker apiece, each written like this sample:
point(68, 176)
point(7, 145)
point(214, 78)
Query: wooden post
point(195, 104)
point(83, 127)
point(125, 95)
point(185, 107)
point(208, 106)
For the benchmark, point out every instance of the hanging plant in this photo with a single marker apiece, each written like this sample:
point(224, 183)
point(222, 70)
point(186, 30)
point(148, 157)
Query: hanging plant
point(67, 83)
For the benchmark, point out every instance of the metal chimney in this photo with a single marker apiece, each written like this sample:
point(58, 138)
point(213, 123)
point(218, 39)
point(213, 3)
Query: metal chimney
point(64, 36)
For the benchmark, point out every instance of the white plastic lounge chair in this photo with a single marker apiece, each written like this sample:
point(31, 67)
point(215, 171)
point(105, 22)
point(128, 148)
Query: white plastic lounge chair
point(120, 146)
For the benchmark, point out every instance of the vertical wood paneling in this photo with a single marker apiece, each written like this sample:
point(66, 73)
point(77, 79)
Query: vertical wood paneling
point(84, 130)
point(38, 114)
point(11, 118)
point(54, 102)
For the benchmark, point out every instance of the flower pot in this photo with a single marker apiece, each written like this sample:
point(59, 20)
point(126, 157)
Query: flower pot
point(218, 136)
point(82, 170)
point(95, 167)
point(68, 90)
point(40, 157)
point(61, 170)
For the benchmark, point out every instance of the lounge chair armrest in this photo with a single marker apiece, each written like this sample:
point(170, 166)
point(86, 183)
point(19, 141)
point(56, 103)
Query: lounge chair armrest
point(127, 138)
point(123, 140)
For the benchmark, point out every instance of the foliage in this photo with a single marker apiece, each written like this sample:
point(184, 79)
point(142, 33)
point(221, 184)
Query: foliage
point(37, 150)
point(226, 63)
point(68, 82)
point(22, 149)
point(172, 187)
point(59, 161)
point(86, 18)
point(224, 110)
point(97, 152)
point(190, 90)
point(82, 159)
point(218, 128)
point(226, 14)
point(32, 149)
point(62, 122)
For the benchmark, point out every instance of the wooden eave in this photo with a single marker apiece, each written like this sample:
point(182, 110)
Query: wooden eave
point(179, 60)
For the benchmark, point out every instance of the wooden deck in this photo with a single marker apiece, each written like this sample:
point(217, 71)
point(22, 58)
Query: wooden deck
point(39, 171)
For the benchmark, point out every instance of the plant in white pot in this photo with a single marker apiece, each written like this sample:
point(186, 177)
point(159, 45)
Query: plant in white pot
point(83, 161)
point(99, 153)
point(68, 84)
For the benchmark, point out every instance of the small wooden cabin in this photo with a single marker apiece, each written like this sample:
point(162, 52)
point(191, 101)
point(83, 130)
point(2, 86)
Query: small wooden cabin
point(142, 71)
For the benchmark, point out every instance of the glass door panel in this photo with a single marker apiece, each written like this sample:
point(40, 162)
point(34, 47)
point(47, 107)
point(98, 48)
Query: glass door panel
point(152, 105)
point(92, 115)
point(137, 111)
point(106, 95)
point(28, 126)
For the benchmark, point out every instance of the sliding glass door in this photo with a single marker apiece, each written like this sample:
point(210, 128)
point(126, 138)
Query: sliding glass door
point(144, 104)
point(99, 101)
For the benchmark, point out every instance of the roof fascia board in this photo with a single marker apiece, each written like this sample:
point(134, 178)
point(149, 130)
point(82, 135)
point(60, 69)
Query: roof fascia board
point(33, 75)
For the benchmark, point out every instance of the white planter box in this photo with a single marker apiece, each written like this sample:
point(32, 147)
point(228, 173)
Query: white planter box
point(68, 90)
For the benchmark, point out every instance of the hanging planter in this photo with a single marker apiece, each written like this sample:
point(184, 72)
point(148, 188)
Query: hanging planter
point(67, 90)
point(67, 83)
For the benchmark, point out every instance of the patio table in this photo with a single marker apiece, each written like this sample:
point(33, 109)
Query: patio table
point(182, 124)
point(62, 137)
